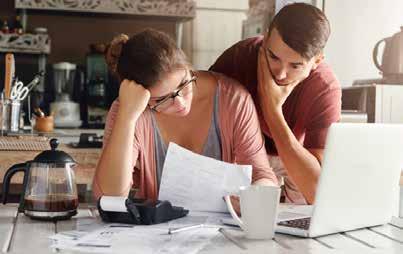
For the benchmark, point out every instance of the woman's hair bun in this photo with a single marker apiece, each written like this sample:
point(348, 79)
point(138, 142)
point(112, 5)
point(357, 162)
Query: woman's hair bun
point(114, 50)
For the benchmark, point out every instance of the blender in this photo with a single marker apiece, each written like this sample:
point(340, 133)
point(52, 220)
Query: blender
point(66, 111)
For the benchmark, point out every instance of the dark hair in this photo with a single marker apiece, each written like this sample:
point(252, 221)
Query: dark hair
point(149, 55)
point(303, 27)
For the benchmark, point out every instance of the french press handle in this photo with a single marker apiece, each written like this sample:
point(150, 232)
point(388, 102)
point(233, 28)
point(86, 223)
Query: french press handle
point(21, 167)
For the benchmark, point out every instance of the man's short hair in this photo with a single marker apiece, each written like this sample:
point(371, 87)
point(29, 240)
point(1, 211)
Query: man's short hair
point(303, 27)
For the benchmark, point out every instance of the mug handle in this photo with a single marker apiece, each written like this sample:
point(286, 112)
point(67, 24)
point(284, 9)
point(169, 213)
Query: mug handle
point(231, 210)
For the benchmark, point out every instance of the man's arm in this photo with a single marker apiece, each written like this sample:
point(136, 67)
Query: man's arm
point(303, 166)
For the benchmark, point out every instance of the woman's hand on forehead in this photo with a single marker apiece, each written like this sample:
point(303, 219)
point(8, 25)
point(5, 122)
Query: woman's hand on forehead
point(133, 98)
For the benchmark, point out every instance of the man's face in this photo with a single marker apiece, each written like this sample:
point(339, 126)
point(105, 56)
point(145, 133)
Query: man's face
point(286, 65)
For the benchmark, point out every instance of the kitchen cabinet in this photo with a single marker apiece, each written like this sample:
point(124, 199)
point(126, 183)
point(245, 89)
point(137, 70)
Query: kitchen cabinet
point(37, 46)
point(99, 21)
point(178, 9)
point(254, 26)
point(382, 103)
point(25, 43)
point(389, 107)
point(216, 27)
point(262, 13)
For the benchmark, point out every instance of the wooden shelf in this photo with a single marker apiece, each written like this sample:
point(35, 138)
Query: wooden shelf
point(25, 43)
point(178, 9)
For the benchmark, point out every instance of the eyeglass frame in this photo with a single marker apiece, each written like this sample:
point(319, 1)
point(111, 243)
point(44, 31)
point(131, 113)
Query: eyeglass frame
point(174, 94)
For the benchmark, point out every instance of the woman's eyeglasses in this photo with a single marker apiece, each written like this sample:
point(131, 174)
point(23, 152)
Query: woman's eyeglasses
point(183, 90)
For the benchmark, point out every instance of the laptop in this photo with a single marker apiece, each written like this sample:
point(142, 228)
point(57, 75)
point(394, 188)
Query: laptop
point(359, 183)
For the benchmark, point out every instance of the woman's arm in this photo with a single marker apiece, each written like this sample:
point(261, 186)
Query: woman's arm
point(249, 147)
point(113, 174)
point(249, 144)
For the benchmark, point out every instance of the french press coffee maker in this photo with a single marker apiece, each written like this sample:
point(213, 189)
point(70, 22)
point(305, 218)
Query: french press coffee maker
point(49, 188)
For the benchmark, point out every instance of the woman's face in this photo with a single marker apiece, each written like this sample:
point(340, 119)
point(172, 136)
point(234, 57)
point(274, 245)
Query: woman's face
point(173, 95)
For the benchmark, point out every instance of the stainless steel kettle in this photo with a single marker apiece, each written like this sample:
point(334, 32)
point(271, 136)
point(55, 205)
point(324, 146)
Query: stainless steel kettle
point(392, 58)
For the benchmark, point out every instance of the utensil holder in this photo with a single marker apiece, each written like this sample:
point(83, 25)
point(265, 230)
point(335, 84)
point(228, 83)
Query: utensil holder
point(44, 124)
point(10, 111)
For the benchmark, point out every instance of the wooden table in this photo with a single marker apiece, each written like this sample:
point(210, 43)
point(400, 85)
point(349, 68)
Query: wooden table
point(30, 236)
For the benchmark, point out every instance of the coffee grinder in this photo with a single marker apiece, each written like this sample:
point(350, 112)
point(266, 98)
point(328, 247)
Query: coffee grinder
point(66, 111)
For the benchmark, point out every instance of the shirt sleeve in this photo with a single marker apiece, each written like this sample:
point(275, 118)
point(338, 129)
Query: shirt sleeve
point(110, 120)
point(326, 110)
point(225, 63)
point(249, 145)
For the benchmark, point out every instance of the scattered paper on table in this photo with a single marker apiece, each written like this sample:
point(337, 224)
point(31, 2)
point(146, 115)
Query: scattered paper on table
point(121, 238)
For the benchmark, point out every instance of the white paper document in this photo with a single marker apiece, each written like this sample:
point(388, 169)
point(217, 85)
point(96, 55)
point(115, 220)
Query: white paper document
point(199, 183)
point(122, 238)
point(100, 240)
point(145, 239)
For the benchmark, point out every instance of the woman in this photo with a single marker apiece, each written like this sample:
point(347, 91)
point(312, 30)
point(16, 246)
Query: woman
point(162, 100)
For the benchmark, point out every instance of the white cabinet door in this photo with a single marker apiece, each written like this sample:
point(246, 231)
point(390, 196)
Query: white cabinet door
point(390, 104)
point(216, 27)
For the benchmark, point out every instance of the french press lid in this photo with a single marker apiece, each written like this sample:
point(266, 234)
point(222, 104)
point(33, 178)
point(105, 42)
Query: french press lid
point(53, 155)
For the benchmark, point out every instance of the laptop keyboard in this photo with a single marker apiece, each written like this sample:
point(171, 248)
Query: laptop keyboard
point(299, 223)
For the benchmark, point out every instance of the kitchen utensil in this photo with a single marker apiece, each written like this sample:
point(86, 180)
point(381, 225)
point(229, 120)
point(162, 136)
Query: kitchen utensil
point(20, 92)
point(44, 124)
point(10, 71)
point(38, 112)
point(49, 188)
point(35, 81)
point(392, 58)
point(10, 115)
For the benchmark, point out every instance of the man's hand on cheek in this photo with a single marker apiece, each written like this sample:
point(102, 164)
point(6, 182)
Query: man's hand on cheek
point(271, 95)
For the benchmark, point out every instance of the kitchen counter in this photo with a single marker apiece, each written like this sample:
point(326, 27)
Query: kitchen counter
point(65, 136)
point(86, 158)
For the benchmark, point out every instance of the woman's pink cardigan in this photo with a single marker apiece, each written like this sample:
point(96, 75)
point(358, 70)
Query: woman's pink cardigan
point(241, 139)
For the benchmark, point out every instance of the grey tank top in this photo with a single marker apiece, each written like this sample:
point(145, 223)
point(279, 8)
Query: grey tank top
point(212, 146)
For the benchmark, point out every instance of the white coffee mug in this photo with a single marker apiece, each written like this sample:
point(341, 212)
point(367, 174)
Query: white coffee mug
point(259, 206)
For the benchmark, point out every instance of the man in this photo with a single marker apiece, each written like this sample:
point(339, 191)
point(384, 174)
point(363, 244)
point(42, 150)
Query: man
point(296, 94)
